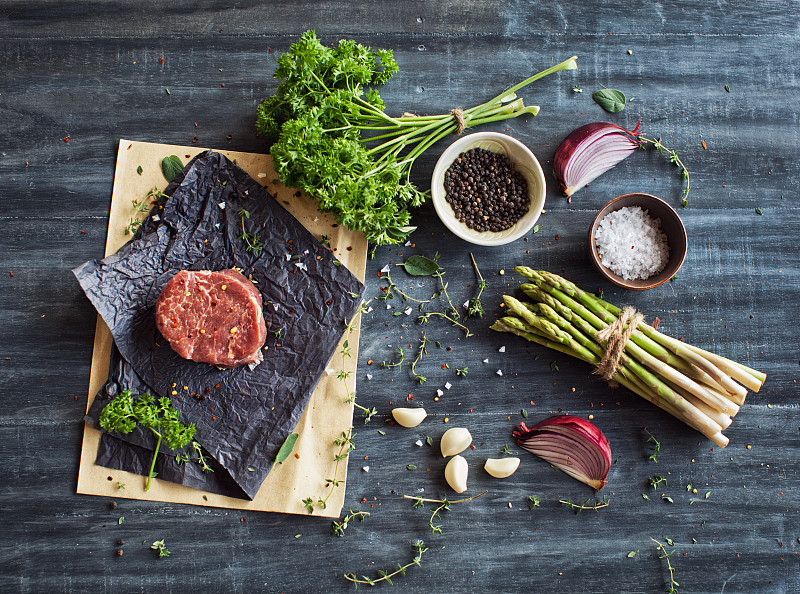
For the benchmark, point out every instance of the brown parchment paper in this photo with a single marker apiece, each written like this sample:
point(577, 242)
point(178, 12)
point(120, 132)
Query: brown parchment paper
point(303, 474)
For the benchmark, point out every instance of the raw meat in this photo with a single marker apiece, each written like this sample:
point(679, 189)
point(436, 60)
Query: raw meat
point(212, 317)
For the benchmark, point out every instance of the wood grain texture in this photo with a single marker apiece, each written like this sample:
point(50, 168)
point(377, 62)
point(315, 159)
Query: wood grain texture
point(92, 72)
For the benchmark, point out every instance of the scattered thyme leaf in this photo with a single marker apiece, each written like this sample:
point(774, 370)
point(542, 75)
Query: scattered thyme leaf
point(631, 554)
point(139, 170)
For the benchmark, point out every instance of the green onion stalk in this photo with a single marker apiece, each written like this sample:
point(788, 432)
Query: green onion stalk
point(702, 389)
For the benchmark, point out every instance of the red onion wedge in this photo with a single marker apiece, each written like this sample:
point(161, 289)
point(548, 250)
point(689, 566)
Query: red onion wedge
point(572, 444)
point(590, 151)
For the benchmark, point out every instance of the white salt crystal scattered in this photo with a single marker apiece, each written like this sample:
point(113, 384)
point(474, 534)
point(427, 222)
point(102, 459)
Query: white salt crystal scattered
point(407, 311)
point(502, 349)
point(305, 252)
point(369, 376)
point(388, 306)
point(369, 309)
point(418, 443)
point(275, 306)
point(301, 266)
point(439, 393)
point(288, 257)
point(408, 243)
point(221, 205)
point(262, 175)
point(631, 243)
point(466, 303)
point(448, 385)
point(499, 372)
point(330, 371)
point(156, 218)
point(365, 468)
point(216, 225)
point(385, 268)
point(486, 360)
point(316, 219)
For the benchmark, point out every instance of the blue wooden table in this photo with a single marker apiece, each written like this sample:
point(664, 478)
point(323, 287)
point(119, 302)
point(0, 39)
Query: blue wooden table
point(717, 82)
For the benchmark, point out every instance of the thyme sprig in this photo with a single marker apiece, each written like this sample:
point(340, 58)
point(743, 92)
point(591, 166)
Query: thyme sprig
point(655, 448)
point(475, 307)
point(655, 480)
point(422, 350)
point(346, 445)
point(443, 505)
point(423, 319)
point(397, 363)
point(384, 576)
point(161, 547)
point(388, 291)
point(339, 526)
point(578, 508)
point(673, 158)
point(252, 241)
point(343, 375)
point(671, 584)
point(184, 457)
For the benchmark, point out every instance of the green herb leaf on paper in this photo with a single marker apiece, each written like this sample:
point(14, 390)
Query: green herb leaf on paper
point(420, 266)
point(610, 99)
point(286, 449)
point(171, 166)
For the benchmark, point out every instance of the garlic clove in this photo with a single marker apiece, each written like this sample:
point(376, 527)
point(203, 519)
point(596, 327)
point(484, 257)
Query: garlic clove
point(455, 473)
point(409, 417)
point(501, 467)
point(455, 441)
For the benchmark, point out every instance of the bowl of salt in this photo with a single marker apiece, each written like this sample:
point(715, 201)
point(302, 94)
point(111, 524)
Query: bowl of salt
point(637, 241)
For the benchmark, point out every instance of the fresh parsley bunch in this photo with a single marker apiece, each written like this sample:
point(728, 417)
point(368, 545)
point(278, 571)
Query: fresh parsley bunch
point(123, 413)
point(334, 140)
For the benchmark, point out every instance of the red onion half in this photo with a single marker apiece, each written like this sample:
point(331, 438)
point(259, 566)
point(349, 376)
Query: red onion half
point(590, 151)
point(571, 444)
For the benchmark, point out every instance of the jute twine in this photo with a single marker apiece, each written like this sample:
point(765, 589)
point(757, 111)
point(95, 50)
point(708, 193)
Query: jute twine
point(617, 335)
point(458, 116)
point(461, 123)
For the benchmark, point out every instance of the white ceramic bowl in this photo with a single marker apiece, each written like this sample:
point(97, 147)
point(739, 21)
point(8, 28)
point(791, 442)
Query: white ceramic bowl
point(524, 161)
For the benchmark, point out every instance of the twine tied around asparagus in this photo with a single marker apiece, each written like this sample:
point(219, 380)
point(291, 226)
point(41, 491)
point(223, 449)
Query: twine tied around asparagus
point(617, 336)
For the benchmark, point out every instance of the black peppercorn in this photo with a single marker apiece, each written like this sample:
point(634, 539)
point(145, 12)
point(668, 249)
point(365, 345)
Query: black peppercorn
point(485, 191)
point(113, 505)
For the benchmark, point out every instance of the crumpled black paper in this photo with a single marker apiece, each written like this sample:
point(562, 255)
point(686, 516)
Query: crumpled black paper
point(242, 416)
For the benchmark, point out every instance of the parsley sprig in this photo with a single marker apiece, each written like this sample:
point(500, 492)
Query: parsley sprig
point(124, 413)
point(335, 141)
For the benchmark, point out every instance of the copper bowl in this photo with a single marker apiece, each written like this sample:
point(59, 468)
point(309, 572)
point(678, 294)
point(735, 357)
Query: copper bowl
point(672, 226)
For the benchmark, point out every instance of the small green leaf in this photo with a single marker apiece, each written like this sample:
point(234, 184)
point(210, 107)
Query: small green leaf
point(429, 441)
point(171, 166)
point(381, 432)
point(554, 366)
point(645, 496)
point(536, 228)
point(758, 211)
point(298, 535)
point(667, 498)
point(524, 413)
point(410, 467)
point(121, 520)
point(139, 170)
point(420, 266)
point(727, 89)
point(632, 554)
point(610, 99)
point(708, 494)
point(286, 449)
point(670, 542)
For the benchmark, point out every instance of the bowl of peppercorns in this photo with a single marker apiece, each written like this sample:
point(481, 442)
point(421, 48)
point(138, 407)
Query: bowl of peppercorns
point(488, 188)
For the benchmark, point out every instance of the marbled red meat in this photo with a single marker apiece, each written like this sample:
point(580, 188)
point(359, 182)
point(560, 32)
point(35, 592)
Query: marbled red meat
point(212, 317)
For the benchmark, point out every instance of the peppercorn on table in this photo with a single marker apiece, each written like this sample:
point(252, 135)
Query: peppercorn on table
point(713, 85)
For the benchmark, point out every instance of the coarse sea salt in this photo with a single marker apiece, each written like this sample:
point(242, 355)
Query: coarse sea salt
point(631, 243)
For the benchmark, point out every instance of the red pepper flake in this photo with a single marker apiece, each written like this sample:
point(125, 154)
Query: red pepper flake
point(444, 365)
point(369, 362)
point(195, 124)
point(410, 397)
point(161, 61)
point(557, 237)
point(350, 248)
point(329, 302)
point(705, 148)
point(656, 322)
point(228, 137)
point(472, 447)
point(242, 520)
point(449, 348)
point(11, 272)
point(216, 385)
point(207, 390)
point(66, 139)
point(222, 84)
point(213, 418)
point(296, 455)
point(194, 139)
point(363, 499)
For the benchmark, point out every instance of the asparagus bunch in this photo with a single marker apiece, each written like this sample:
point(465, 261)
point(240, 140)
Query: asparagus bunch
point(700, 388)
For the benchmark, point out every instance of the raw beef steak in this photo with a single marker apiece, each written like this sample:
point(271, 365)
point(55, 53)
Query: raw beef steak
point(212, 317)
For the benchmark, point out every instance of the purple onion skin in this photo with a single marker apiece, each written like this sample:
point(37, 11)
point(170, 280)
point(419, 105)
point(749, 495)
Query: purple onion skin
point(575, 138)
point(578, 424)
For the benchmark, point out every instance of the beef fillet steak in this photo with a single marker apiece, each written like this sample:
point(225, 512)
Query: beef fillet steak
point(212, 317)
